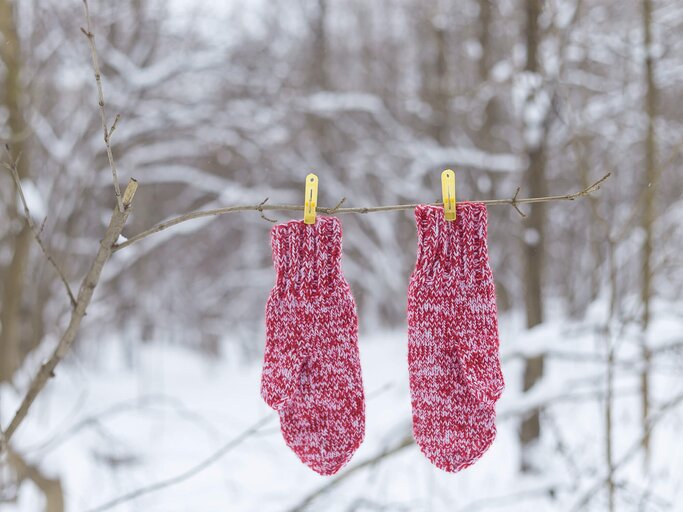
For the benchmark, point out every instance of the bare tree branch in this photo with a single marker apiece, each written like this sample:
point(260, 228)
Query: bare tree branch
point(85, 293)
point(213, 458)
point(490, 502)
point(513, 201)
point(3, 442)
point(339, 205)
point(100, 95)
point(50, 487)
point(206, 462)
point(137, 404)
point(371, 461)
point(514, 204)
point(635, 448)
point(114, 125)
point(263, 215)
point(12, 167)
point(406, 442)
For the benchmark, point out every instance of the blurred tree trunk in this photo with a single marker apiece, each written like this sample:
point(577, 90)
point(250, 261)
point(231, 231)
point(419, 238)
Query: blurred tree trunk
point(432, 65)
point(484, 136)
point(435, 87)
point(14, 274)
point(609, 391)
point(485, 40)
point(50, 487)
point(440, 96)
point(318, 79)
point(648, 216)
point(318, 66)
point(534, 236)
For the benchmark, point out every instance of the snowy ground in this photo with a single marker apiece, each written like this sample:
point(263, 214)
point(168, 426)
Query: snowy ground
point(112, 428)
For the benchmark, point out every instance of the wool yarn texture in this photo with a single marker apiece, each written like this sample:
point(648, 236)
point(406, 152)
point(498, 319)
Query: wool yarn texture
point(453, 347)
point(311, 371)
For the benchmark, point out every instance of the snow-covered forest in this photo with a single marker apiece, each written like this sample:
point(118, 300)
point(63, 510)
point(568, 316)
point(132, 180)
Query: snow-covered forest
point(151, 397)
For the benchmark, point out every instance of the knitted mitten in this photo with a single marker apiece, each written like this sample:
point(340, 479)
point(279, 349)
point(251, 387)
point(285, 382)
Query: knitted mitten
point(455, 376)
point(311, 372)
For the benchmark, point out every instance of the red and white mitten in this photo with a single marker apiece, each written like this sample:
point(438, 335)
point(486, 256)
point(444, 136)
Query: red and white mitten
point(311, 371)
point(453, 360)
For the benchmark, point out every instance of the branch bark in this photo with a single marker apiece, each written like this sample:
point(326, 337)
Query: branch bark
point(85, 293)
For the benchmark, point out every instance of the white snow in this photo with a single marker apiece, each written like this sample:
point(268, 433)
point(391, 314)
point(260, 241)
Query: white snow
point(34, 200)
point(117, 426)
point(531, 236)
point(532, 104)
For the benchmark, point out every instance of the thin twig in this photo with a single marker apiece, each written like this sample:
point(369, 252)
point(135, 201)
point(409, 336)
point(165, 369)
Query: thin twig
point(3, 442)
point(490, 502)
point(263, 215)
point(85, 294)
point(100, 95)
point(514, 201)
point(514, 204)
point(92, 278)
point(114, 125)
point(405, 442)
point(339, 205)
point(135, 405)
point(408, 441)
point(213, 458)
point(201, 466)
point(650, 423)
point(12, 167)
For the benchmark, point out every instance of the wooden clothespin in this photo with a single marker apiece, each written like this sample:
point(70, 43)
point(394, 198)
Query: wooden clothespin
point(310, 199)
point(448, 192)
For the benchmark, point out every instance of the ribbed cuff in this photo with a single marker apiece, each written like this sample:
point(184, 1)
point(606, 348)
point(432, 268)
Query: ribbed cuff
point(307, 256)
point(460, 244)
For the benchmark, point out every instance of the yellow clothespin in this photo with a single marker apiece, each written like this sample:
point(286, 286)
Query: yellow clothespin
point(311, 198)
point(448, 191)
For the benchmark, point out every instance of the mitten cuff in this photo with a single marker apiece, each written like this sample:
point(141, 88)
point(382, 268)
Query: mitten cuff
point(460, 244)
point(307, 256)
